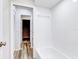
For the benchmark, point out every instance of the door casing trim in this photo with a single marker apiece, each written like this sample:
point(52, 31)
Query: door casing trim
point(12, 25)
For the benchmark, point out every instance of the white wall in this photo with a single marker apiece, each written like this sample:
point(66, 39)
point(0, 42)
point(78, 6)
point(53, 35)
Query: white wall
point(64, 27)
point(42, 28)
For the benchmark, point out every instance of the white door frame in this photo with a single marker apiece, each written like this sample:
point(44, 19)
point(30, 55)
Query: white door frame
point(12, 24)
point(30, 27)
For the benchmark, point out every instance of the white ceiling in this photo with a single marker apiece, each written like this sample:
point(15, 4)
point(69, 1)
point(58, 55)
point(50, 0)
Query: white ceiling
point(46, 3)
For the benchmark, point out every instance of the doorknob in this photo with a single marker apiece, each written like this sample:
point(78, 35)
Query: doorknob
point(2, 44)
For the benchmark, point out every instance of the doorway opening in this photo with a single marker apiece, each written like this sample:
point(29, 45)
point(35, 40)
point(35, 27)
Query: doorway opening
point(26, 31)
point(26, 36)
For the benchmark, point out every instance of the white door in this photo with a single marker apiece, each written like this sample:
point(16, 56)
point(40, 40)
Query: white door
point(4, 30)
point(1, 34)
